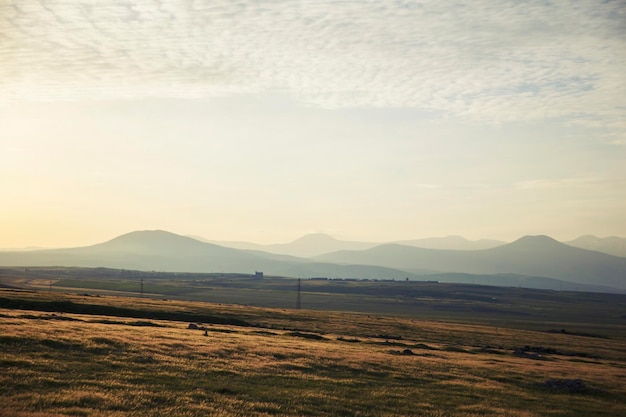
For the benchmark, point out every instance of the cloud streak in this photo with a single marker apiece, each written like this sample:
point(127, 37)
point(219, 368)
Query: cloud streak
point(495, 61)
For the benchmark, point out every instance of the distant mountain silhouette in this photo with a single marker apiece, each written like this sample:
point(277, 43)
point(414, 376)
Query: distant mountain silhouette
point(531, 255)
point(164, 251)
point(155, 242)
point(612, 245)
point(310, 245)
point(532, 261)
point(452, 242)
point(317, 244)
point(146, 250)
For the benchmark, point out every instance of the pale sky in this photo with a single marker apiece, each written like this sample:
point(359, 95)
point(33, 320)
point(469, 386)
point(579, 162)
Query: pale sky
point(266, 120)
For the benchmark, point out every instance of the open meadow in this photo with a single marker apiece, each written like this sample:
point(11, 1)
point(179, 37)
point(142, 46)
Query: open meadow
point(76, 355)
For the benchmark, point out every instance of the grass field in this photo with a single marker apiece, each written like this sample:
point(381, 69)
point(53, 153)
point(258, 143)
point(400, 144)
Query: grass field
point(499, 306)
point(121, 356)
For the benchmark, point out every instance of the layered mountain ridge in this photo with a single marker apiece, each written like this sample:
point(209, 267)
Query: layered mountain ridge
point(539, 257)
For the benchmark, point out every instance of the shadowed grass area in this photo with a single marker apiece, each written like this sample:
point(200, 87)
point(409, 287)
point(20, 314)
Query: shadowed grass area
point(523, 308)
point(67, 306)
point(292, 363)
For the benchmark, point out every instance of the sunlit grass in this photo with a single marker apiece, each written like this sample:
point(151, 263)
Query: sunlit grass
point(90, 365)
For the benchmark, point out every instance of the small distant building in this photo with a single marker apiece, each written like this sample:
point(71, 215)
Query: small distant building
point(258, 274)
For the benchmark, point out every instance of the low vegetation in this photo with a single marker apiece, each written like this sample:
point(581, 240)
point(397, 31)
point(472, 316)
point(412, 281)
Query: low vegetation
point(76, 355)
point(560, 311)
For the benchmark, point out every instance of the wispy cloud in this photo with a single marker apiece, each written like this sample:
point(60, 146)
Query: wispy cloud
point(496, 60)
point(552, 183)
point(589, 187)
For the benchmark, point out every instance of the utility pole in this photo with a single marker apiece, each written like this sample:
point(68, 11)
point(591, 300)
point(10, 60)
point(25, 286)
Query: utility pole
point(141, 287)
point(298, 300)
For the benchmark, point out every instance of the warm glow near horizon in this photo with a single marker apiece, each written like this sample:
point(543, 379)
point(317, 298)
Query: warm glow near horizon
point(369, 121)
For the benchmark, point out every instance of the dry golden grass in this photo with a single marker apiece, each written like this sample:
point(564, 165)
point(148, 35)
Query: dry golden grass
point(292, 363)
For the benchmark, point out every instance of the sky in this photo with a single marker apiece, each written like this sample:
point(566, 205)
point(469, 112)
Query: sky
point(263, 121)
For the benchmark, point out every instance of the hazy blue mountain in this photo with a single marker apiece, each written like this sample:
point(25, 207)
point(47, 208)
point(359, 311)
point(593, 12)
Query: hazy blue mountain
point(612, 245)
point(163, 251)
point(539, 256)
point(452, 242)
point(305, 247)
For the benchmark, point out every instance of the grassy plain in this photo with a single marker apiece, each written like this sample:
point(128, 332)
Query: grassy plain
point(499, 306)
point(74, 355)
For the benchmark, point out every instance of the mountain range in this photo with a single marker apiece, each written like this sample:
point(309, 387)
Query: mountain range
point(533, 261)
point(317, 244)
point(530, 255)
point(307, 246)
point(158, 250)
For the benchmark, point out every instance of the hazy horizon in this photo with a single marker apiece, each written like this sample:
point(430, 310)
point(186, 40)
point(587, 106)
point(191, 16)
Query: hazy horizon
point(374, 122)
point(225, 241)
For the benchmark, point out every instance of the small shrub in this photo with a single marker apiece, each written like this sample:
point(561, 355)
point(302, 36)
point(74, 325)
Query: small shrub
point(343, 339)
point(311, 336)
point(575, 386)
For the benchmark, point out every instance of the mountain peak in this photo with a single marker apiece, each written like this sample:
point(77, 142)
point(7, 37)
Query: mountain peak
point(149, 232)
point(455, 237)
point(141, 235)
point(151, 240)
point(316, 238)
point(588, 237)
point(536, 242)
